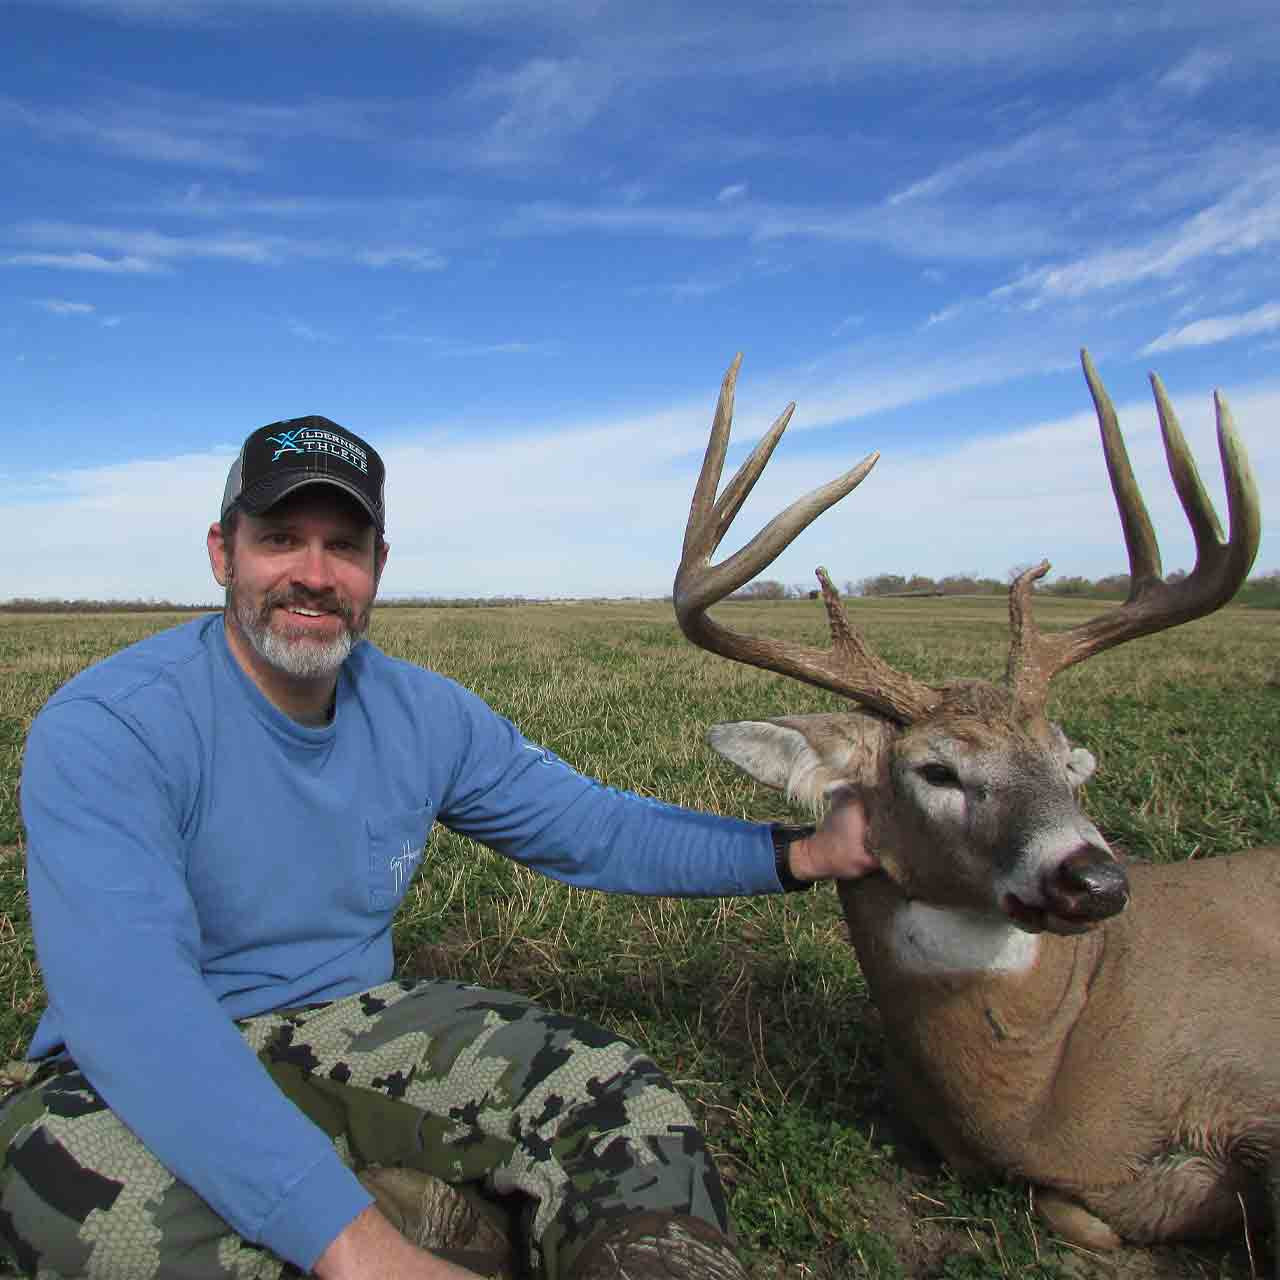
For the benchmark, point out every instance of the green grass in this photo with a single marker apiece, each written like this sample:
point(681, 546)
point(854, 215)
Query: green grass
point(756, 1007)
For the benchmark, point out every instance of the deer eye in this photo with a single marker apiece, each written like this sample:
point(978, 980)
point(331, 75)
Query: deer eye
point(939, 775)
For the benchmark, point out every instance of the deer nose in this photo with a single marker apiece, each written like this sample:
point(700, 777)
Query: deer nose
point(1087, 885)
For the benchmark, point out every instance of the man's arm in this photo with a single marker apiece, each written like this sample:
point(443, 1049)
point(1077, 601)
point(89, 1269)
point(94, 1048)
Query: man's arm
point(119, 941)
point(523, 800)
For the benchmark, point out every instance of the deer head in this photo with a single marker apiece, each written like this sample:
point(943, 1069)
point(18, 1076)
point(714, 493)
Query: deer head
point(971, 790)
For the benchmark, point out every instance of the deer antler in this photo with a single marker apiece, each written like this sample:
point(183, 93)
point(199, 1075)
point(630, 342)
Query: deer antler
point(848, 667)
point(1152, 604)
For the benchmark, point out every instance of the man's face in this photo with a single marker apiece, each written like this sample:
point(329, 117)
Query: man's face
point(301, 580)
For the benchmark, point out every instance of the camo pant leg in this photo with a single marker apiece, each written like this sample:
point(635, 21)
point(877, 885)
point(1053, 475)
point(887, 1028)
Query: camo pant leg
point(81, 1196)
point(475, 1086)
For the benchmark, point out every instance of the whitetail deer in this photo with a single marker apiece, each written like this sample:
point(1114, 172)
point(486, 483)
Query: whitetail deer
point(1109, 1033)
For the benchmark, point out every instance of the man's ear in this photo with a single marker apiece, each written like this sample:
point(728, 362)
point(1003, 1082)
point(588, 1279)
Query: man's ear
point(219, 559)
point(379, 563)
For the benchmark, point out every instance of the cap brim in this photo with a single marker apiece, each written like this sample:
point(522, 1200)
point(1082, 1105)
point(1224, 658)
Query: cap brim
point(266, 493)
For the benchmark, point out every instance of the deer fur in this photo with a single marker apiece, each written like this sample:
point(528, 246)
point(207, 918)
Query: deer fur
point(1128, 1066)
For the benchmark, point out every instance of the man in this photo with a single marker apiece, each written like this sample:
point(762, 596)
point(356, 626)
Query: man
point(221, 823)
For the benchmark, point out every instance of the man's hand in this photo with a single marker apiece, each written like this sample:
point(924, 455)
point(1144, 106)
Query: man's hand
point(370, 1248)
point(838, 849)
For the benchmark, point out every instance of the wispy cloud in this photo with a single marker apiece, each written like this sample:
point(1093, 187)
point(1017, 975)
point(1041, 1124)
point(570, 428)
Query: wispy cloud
point(61, 307)
point(148, 250)
point(307, 332)
point(450, 349)
point(417, 259)
point(83, 262)
point(1202, 333)
point(926, 232)
point(1245, 219)
point(1196, 71)
point(538, 106)
point(176, 129)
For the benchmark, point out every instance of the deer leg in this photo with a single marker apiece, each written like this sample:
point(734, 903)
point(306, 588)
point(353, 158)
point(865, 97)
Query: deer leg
point(1073, 1222)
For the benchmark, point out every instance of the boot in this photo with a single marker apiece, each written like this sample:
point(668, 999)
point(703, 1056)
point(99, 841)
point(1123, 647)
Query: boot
point(441, 1219)
point(659, 1246)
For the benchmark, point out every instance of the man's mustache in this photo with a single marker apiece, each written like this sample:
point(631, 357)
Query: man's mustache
point(323, 602)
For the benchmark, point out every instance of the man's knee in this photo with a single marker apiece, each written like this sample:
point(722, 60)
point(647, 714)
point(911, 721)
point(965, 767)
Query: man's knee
point(81, 1196)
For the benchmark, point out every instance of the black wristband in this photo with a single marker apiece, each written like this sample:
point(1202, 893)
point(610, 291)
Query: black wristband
point(783, 836)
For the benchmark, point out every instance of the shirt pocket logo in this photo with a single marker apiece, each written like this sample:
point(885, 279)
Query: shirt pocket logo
point(396, 846)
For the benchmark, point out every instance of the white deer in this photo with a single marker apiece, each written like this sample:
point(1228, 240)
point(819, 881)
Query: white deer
point(1110, 1033)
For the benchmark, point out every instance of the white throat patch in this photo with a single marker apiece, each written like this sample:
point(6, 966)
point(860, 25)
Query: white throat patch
point(938, 940)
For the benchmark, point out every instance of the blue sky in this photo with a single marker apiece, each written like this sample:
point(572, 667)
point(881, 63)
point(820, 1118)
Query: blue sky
point(515, 243)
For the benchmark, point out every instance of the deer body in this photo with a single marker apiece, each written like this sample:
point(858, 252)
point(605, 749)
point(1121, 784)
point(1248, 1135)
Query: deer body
point(1113, 1070)
point(1123, 1056)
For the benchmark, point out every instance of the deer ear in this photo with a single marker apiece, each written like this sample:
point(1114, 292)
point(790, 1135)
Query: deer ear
point(762, 749)
point(805, 756)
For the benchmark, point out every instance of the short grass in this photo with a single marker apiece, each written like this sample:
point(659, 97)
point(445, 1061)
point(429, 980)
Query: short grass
point(756, 1006)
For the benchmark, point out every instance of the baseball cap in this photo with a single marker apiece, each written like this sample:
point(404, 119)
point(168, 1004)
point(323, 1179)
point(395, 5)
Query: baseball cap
point(284, 456)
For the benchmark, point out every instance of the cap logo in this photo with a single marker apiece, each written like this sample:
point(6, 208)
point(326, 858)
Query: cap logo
point(306, 440)
point(286, 444)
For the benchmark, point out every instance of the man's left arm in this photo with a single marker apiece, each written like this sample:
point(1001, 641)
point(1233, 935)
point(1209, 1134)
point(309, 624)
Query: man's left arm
point(524, 801)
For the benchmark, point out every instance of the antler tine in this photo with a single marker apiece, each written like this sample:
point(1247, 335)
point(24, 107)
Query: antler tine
point(1152, 604)
point(698, 539)
point(709, 517)
point(1139, 536)
point(848, 668)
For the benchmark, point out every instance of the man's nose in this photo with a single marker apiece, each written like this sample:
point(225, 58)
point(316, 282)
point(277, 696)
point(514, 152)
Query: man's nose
point(314, 567)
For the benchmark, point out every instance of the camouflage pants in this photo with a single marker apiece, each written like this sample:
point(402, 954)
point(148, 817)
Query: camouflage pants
point(533, 1109)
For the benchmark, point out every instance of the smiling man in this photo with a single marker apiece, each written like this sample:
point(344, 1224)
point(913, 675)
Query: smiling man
point(222, 821)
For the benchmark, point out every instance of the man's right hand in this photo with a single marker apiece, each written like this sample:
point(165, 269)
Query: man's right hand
point(370, 1248)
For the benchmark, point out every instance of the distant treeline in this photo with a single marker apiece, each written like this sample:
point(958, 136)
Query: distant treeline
point(31, 605)
point(1262, 592)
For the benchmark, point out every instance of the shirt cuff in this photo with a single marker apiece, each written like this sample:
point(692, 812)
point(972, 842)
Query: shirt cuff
point(316, 1210)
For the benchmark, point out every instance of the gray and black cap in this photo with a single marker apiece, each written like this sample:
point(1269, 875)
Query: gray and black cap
point(284, 456)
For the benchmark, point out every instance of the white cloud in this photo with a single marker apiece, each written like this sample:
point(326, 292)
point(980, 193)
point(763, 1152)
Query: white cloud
point(726, 195)
point(1201, 333)
point(515, 517)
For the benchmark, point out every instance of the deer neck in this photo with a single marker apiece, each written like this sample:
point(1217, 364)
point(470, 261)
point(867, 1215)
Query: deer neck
point(962, 965)
point(950, 942)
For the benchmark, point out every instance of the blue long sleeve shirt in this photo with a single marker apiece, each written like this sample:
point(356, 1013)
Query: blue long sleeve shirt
point(195, 856)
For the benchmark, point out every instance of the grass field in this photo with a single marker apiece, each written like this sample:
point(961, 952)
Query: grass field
point(756, 1006)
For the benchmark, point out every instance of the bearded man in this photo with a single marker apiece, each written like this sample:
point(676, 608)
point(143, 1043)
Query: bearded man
point(222, 821)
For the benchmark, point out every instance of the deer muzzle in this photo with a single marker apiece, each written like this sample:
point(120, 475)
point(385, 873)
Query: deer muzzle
point(1087, 887)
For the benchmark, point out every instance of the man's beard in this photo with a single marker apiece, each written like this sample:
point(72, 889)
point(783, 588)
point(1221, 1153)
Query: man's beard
point(294, 651)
